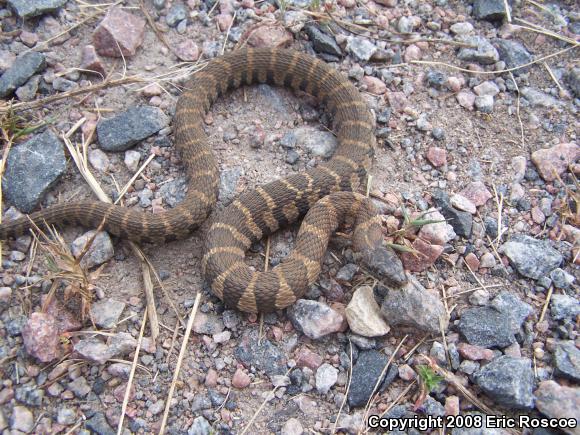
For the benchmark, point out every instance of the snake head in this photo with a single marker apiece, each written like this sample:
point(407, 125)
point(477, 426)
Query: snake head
point(385, 264)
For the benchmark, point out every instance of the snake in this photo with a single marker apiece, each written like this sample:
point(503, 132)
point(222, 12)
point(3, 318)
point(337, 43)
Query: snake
point(325, 195)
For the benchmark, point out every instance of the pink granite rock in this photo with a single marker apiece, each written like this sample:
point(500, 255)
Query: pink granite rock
point(119, 34)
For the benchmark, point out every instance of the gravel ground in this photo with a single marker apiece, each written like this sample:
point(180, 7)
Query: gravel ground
point(484, 149)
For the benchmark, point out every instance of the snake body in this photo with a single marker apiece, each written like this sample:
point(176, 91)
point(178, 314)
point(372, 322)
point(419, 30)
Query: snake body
point(259, 212)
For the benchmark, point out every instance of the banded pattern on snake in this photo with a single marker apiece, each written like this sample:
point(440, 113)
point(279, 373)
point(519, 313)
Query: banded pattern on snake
point(259, 212)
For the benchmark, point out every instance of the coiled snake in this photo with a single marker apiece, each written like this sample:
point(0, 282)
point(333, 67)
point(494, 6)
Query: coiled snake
point(259, 212)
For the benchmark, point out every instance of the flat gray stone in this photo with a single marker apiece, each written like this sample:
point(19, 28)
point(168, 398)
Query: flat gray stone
point(34, 8)
point(23, 68)
point(484, 53)
point(509, 381)
point(486, 327)
point(127, 128)
point(33, 167)
point(531, 257)
point(567, 360)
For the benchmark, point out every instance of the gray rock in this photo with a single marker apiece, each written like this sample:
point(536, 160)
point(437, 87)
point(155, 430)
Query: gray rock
point(22, 419)
point(22, 69)
point(486, 327)
point(561, 278)
point(484, 103)
point(126, 129)
point(489, 10)
point(28, 91)
point(100, 251)
point(510, 305)
point(322, 42)
point(567, 360)
point(177, 13)
point(174, 191)
point(361, 48)
point(106, 313)
point(326, 377)
point(317, 143)
point(573, 80)
point(34, 8)
point(289, 140)
point(292, 427)
point(228, 182)
point(414, 306)
point(346, 273)
point(66, 416)
point(433, 407)
point(98, 424)
point(292, 157)
point(64, 85)
point(365, 374)
point(80, 387)
point(406, 25)
point(564, 307)
point(314, 319)
point(509, 381)
point(540, 99)
point(29, 394)
point(513, 53)
point(484, 53)
point(200, 426)
point(32, 169)
point(461, 221)
point(531, 257)
point(98, 352)
point(263, 355)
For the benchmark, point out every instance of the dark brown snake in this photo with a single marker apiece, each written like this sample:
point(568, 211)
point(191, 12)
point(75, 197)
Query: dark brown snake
point(257, 213)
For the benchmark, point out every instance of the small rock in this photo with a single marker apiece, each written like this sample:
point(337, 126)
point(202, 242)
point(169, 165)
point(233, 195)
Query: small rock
point(479, 297)
point(484, 53)
point(406, 373)
point(425, 257)
point(437, 156)
point(187, 51)
point(513, 53)
point(119, 34)
point(270, 36)
point(509, 381)
point(567, 360)
point(315, 319)
point(127, 128)
point(308, 358)
point(98, 424)
point(461, 29)
point(561, 278)
point(461, 221)
point(564, 307)
point(200, 426)
point(540, 99)
point(99, 160)
point(466, 99)
point(364, 315)
point(374, 85)
point(474, 353)
point(477, 193)
point(553, 162)
point(66, 416)
point(132, 159)
point(317, 143)
point(240, 379)
point(100, 251)
point(61, 84)
point(34, 8)
point(106, 313)
point(80, 387)
point(460, 202)
point(486, 88)
point(90, 61)
point(484, 103)
point(412, 52)
point(208, 324)
point(40, 336)
point(361, 48)
point(365, 375)
point(261, 354)
point(414, 306)
point(176, 13)
point(531, 257)
point(486, 327)
point(487, 260)
point(489, 10)
point(292, 427)
point(322, 42)
point(326, 377)
point(22, 419)
point(33, 167)
point(556, 401)
point(437, 233)
point(510, 305)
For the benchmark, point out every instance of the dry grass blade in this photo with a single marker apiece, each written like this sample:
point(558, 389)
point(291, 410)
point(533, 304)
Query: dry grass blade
point(132, 374)
point(545, 307)
point(522, 137)
point(179, 361)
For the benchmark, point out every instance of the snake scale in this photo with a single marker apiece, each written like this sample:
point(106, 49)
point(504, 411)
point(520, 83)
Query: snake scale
point(326, 192)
